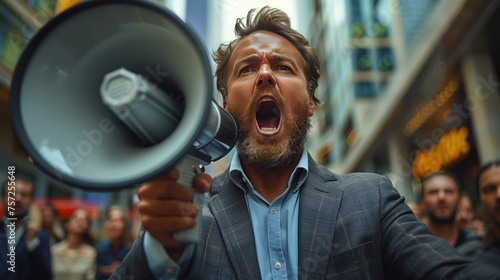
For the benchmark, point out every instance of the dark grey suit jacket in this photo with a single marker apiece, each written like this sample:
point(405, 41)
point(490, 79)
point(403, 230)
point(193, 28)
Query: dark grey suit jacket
point(28, 265)
point(354, 226)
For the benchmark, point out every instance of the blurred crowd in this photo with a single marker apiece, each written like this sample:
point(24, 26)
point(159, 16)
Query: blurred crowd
point(49, 247)
point(451, 214)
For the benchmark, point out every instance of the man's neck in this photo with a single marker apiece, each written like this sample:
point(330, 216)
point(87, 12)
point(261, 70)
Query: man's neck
point(270, 183)
point(74, 241)
point(449, 232)
point(116, 243)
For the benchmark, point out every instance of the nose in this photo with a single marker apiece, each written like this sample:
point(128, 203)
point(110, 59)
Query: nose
point(441, 195)
point(18, 196)
point(265, 76)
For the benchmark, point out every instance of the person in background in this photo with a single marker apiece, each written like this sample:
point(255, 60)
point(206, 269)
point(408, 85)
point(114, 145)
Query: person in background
point(51, 223)
point(440, 197)
point(467, 218)
point(74, 258)
point(417, 209)
point(31, 256)
point(110, 252)
point(488, 184)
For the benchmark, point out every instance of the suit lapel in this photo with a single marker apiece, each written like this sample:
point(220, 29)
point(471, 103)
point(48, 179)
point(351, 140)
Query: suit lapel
point(230, 211)
point(319, 204)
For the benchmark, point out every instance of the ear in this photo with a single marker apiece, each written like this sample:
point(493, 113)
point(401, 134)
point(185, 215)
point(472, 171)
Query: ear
point(311, 106)
point(312, 101)
point(224, 98)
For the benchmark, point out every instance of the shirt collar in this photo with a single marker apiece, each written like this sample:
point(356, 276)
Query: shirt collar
point(296, 180)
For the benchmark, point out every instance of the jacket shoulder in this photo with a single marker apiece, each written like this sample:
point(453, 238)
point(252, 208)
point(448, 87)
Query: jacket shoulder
point(345, 180)
point(361, 180)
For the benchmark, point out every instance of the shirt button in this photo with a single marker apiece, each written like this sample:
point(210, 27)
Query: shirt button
point(277, 265)
point(273, 211)
point(170, 271)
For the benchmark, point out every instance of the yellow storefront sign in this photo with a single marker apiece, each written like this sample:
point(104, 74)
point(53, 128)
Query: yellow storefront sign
point(451, 148)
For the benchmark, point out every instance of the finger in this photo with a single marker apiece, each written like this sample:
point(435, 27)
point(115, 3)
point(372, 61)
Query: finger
point(32, 226)
point(165, 189)
point(202, 182)
point(171, 174)
point(162, 225)
point(169, 208)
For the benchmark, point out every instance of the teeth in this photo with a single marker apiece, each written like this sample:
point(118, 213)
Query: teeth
point(265, 99)
point(268, 128)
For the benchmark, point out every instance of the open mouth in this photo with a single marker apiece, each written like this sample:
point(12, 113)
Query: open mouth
point(268, 115)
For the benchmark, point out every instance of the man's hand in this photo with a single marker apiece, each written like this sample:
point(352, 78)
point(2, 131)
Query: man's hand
point(31, 230)
point(165, 207)
point(477, 226)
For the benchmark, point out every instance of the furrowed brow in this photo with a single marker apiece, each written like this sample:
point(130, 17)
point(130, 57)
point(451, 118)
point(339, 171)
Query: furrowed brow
point(245, 60)
point(283, 58)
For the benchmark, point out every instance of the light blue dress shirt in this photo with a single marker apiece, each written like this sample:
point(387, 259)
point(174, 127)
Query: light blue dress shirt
point(275, 224)
point(275, 227)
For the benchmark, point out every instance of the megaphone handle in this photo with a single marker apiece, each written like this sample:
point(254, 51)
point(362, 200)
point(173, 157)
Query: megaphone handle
point(188, 168)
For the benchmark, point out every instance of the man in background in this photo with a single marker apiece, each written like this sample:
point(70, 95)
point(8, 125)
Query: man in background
point(30, 258)
point(488, 183)
point(440, 198)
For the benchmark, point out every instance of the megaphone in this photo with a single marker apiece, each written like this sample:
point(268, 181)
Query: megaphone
point(110, 94)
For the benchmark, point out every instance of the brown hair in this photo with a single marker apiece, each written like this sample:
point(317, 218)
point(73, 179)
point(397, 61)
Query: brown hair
point(272, 20)
point(127, 234)
point(483, 168)
point(442, 173)
point(18, 177)
point(87, 236)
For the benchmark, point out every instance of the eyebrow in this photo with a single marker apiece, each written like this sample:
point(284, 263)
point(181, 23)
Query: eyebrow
point(281, 58)
point(487, 185)
point(274, 57)
point(245, 60)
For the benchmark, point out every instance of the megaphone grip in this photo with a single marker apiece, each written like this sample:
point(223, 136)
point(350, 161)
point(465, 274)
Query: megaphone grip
point(188, 167)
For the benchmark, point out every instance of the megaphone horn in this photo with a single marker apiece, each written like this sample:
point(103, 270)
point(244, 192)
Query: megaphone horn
point(110, 94)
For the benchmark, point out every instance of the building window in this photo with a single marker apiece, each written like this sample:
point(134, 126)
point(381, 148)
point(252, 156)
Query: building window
point(364, 90)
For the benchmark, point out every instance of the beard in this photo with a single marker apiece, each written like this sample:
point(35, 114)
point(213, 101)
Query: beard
point(443, 220)
point(18, 215)
point(272, 153)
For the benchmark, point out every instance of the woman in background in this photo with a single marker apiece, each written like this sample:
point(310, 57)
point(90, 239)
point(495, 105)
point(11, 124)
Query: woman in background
point(51, 223)
point(466, 216)
point(111, 251)
point(74, 258)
